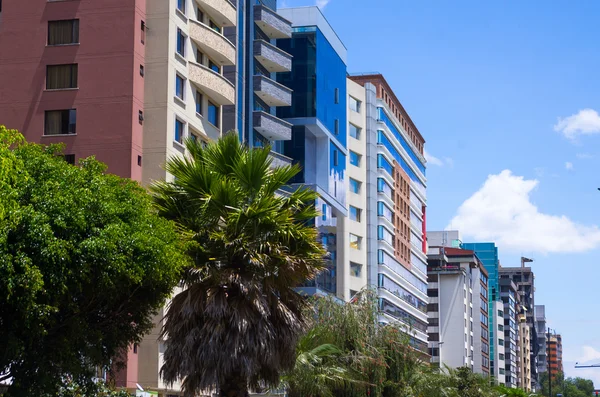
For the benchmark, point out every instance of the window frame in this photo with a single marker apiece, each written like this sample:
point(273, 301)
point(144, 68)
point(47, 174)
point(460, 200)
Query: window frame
point(358, 157)
point(179, 78)
point(357, 213)
point(74, 32)
point(355, 128)
point(217, 108)
point(74, 77)
point(181, 42)
point(355, 182)
point(182, 6)
point(182, 133)
point(71, 126)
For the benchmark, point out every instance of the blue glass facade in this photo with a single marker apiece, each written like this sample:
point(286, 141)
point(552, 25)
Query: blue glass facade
point(383, 117)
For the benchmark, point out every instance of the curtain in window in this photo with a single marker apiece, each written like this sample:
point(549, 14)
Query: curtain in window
point(54, 122)
point(61, 76)
point(63, 32)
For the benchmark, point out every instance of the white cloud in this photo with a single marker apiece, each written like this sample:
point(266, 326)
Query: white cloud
point(431, 159)
point(569, 166)
point(449, 161)
point(322, 3)
point(584, 156)
point(502, 211)
point(586, 122)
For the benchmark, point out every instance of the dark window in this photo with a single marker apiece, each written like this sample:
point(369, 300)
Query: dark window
point(213, 114)
point(199, 57)
point(432, 307)
point(69, 158)
point(180, 43)
point(143, 32)
point(61, 76)
point(214, 66)
point(199, 102)
point(214, 26)
point(336, 124)
point(140, 116)
point(142, 70)
point(60, 122)
point(199, 15)
point(181, 5)
point(335, 157)
point(63, 32)
point(135, 345)
point(179, 130)
point(139, 160)
point(337, 95)
point(432, 293)
point(179, 86)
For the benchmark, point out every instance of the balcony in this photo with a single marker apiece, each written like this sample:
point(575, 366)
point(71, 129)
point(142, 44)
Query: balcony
point(279, 160)
point(223, 12)
point(217, 87)
point(271, 57)
point(273, 24)
point(271, 92)
point(212, 43)
point(271, 127)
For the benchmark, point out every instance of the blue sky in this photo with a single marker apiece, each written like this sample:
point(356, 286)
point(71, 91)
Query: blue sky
point(506, 95)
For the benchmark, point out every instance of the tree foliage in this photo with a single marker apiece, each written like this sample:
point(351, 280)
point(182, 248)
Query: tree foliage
point(251, 243)
point(568, 387)
point(85, 262)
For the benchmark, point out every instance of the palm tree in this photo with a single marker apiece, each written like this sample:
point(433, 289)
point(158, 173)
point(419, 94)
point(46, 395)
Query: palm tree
point(235, 325)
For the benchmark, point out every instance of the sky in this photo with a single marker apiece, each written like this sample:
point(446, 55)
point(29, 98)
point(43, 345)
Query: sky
point(506, 95)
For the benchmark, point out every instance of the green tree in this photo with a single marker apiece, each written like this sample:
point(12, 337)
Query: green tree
point(85, 262)
point(236, 322)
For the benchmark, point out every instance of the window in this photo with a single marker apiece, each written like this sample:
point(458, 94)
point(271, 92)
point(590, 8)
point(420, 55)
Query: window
point(60, 122)
point(355, 241)
point(214, 67)
point(354, 186)
point(336, 126)
point(69, 158)
point(213, 114)
point(355, 213)
point(337, 95)
point(199, 15)
point(143, 32)
point(179, 129)
point(181, 6)
point(324, 212)
point(335, 157)
point(355, 269)
point(199, 57)
point(61, 76)
point(199, 102)
point(214, 26)
point(180, 42)
point(355, 158)
point(63, 32)
point(354, 104)
point(142, 70)
point(179, 86)
point(354, 131)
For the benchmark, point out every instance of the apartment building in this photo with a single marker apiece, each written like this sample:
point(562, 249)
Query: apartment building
point(540, 326)
point(524, 354)
point(510, 330)
point(396, 186)
point(458, 309)
point(318, 143)
point(524, 279)
point(555, 365)
point(498, 356)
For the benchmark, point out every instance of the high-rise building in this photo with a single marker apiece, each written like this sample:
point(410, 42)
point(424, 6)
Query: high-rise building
point(510, 330)
point(488, 254)
point(554, 352)
point(524, 346)
point(524, 279)
point(458, 309)
point(396, 207)
point(498, 371)
point(540, 326)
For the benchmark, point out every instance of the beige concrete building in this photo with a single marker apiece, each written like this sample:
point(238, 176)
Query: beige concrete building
point(524, 366)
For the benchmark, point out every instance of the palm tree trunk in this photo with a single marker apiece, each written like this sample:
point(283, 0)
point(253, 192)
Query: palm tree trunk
point(236, 386)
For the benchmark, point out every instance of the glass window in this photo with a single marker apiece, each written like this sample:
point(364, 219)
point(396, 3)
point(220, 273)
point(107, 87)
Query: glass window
point(180, 42)
point(354, 104)
point(179, 86)
point(213, 114)
point(199, 15)
point(336, 125)
point(63, 32)
point(385, 235)
point(383, 258)
point(355, 186)
point(384, 164)
point(199, 57)
point(335, 157)
point(384, 187)
point(355, 158)
point(354, 131)
point(61, 76)
point(384, 211)
point(199, 99)
point(214, 26)
point(143, 32)
point(324, 212)
point(355, 213)
point(181, 5)
point(60, 122)
point(214, 67)
point(355, 269)
point(355, 241)
point(337, 95)
point(179, 129)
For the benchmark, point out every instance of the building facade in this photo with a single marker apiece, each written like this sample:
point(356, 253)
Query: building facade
point(524, 354)
point(498, 357)
point(510, 330)
point(458, 310)
point(396, 201)
point(554, 353)
point(540, 326)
